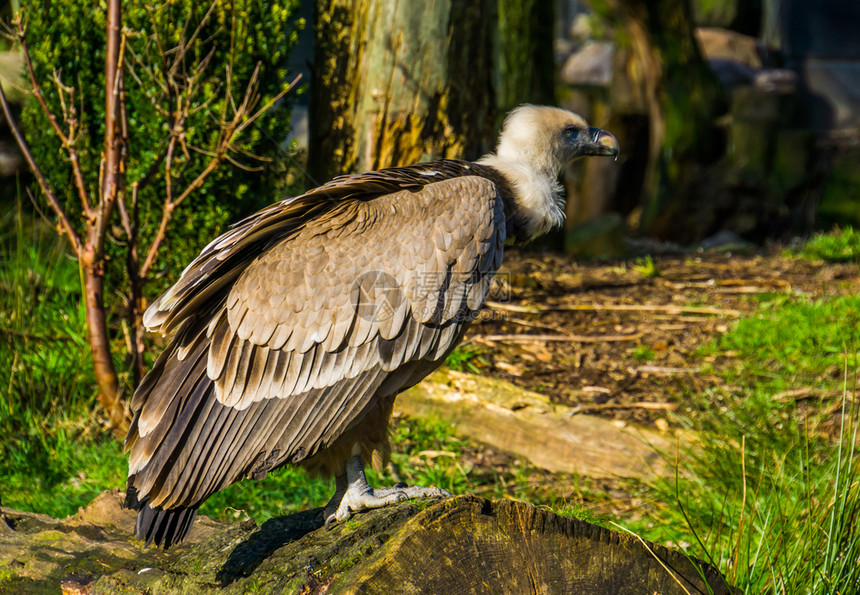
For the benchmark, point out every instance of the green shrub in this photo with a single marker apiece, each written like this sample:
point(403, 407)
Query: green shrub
point(67, 39)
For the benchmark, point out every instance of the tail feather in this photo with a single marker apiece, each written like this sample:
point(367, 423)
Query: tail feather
point(161, 527)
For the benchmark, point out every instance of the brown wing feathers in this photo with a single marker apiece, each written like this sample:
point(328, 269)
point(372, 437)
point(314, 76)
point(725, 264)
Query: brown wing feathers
point(277, 358)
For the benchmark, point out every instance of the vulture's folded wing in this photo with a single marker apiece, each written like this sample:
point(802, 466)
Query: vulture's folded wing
point(363, 299)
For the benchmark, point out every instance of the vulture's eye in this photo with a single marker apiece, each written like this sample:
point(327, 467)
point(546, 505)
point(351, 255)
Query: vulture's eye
point(570, 132)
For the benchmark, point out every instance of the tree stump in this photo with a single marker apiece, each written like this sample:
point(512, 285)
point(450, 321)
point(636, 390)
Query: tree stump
point(458, 545)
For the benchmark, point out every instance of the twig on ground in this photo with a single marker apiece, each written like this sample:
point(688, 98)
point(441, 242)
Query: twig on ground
point(517, 338)
point(665, 370)
point(668, 308)
point(806, 392)
point(650, 405)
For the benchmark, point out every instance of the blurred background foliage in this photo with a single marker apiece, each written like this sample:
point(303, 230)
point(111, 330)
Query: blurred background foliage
point(67, 43)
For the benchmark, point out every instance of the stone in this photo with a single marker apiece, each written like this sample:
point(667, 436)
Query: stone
point(590, 65)
point(721, 44)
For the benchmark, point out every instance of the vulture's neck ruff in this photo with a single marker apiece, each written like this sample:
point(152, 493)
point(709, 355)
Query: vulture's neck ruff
point(535, 144)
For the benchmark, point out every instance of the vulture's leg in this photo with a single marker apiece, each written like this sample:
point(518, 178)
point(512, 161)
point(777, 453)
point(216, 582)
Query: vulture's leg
point(354, 494)
point(340, 484)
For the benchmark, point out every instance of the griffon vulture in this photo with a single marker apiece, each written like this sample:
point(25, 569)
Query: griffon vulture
point(292, 333)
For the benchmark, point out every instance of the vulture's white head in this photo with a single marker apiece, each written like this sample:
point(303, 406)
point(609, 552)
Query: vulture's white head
point(535, 144)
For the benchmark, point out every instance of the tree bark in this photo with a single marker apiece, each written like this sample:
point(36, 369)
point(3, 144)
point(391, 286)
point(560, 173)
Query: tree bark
point(671, 83)
point(97, 328)
point(527, 62)
point(110, 395)
point(399, 82)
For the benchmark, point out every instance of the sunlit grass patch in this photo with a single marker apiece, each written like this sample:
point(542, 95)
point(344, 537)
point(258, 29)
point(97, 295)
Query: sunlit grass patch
point(646, 267)
point(57, 472)
point(839, 245)
point(768, 489)
point(791, 341)
point(44, 359)
point(467, 357)
point(768, 502)
point(54, 456)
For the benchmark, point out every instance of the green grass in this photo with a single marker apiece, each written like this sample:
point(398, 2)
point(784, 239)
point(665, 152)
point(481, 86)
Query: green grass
point(646, 267)
point(792, 342)
point(840, 245)
point(467, 358)
point(43, 352)
point(768, 490)
point(53, 457)
point(643, 353)
point(55, 472)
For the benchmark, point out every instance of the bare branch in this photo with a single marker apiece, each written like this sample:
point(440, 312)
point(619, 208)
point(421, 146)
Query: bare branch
point(198, 181)
point(250, 96)
point(113, 139)
point(7, 32)
point(166, 211)
point(42, 213)
point(242, 166)
point(249, 154)
point(268, 105)
point(181, 92)
point(200, 26)
point(125, 219)
point(202, 151)
point(203, 105)
point(148, 70)
point(127, 222)
point(202, 65)
point(67, 144)
point(37, 90)
point(61, 91)
point(229, 72)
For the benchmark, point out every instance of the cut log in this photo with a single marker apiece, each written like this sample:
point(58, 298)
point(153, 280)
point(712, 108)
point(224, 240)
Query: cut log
point(458, 545)
point(523, 423)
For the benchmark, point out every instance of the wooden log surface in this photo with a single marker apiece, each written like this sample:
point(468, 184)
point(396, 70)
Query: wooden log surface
point(464, 544)
point(527, 424)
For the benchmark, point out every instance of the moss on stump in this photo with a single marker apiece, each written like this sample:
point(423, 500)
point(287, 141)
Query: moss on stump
point(464, 544)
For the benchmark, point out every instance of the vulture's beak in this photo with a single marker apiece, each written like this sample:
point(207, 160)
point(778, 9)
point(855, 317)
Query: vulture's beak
point(600, 142)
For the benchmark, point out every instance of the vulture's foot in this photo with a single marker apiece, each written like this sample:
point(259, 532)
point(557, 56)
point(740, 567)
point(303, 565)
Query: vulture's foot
point(354, 494)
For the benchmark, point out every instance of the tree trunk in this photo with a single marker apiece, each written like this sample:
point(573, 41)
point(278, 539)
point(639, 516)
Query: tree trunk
point(459, 545)
point(670, 81)
point(399, 82)
point(527, 62)
point(110, 396)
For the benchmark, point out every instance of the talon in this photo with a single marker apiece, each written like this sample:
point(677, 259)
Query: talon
point(328, 522)
point(353, 494)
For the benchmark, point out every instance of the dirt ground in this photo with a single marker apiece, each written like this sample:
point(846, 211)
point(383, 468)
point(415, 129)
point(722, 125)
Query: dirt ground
point(617, 339)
